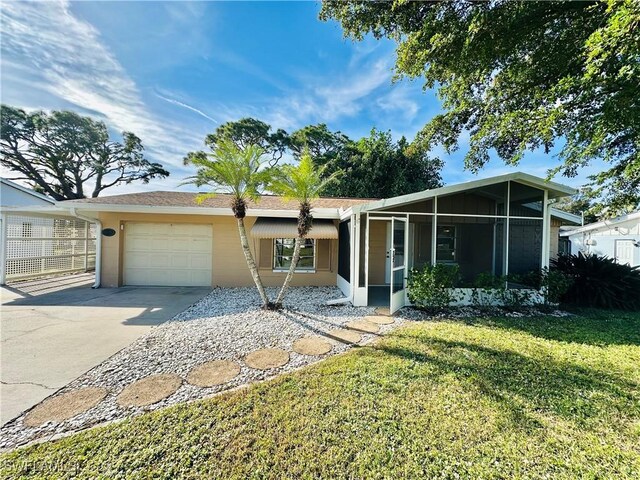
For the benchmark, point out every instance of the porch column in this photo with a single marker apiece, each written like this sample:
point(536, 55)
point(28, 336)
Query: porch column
point(355, 251)
point(546, 231)
point(505, 246)
point(434, 231)
point(3, 249)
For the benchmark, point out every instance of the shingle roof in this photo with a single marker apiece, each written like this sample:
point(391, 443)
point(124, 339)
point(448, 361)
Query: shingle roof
point(188, 199)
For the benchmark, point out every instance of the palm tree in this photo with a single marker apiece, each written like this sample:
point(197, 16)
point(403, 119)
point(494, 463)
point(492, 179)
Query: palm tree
point(304, 183)
point(239, 172)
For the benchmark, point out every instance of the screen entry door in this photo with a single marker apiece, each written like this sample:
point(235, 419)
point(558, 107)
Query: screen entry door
point(398, 259)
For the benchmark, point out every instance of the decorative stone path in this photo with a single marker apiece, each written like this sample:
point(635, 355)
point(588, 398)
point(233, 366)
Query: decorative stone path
point(311, 346)
point(57, 409)
point(267, 358)
point(149, 390)
point(224, 341)
point(213, 373)
point(345, 336)
point(383, 311)
point(364, 326)
point(379, 319)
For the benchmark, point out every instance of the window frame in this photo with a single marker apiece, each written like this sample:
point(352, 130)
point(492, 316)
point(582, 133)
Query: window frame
point(455, 244)
point(274, 256)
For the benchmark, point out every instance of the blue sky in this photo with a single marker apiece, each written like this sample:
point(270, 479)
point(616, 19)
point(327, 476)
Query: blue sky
point(172, 72)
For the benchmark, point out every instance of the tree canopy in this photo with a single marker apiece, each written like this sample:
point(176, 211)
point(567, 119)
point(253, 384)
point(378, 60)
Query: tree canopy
point(249, 132)
point(581, 204)
point(372, 167)
point(378, 167)
point(522, 75)
point(62, 152)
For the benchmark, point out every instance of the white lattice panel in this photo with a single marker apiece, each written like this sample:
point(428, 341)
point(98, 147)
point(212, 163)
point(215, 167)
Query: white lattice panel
point(39, 246)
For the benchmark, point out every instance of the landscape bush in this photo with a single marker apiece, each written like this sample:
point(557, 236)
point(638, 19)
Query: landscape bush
point(432, 286)
point(598, 281)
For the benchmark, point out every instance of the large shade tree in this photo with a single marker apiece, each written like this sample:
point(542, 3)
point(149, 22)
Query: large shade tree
point(320, 142)
point(241, 173)
point(62, 153)
point(520, 75)
point(247, 133)
point(376, 166)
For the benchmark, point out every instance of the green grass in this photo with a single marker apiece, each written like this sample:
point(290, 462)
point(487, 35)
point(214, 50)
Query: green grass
point(494, 398)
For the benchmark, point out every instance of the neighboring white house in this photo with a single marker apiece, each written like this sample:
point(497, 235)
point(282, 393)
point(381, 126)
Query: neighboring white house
point(14, 195)
point(34, 244)
point(618, 238)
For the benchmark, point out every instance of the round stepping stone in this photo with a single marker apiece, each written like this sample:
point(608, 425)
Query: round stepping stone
point(311, 346)
point(149, 390)
point(363, 326)
point(383, 311)
point(345, 336)
point(379, 319)
point(267, 358)
point(213, 373)
point(65, 406)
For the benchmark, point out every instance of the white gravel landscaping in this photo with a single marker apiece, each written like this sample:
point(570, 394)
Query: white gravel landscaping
point(227, 324)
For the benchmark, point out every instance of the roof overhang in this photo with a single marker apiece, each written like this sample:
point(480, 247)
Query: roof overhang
point(92, 209)
point(566, 216)
point(556, 190)
point(288, 228)
point(45, 211)
point(603, 224)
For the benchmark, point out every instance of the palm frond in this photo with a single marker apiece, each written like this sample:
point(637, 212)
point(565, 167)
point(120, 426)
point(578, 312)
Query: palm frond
point(302, 182)
point(230, 169)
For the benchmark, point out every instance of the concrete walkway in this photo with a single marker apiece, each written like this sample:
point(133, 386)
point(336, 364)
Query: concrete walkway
point(54, 330)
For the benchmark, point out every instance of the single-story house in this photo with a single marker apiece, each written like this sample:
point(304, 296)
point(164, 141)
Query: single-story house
point(34, 242)
point(364, 246)
point(617, 238)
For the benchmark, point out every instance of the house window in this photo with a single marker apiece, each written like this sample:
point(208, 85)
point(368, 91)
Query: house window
point(283, 253)
point(446, 244)
point(564, 246)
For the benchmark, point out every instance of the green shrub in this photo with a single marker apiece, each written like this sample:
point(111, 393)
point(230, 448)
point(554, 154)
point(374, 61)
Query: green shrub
point(432, 286)
point(484, 290)
point(553, 283)
point(600, 282)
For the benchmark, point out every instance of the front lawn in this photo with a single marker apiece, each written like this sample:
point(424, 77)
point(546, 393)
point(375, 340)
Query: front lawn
point(491, 398)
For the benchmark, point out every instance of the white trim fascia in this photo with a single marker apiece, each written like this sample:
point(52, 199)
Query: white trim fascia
point(604, 223)
point(320, 213)
point(37, 211)
point(26, 190)
point(344, 214)
point(556, 188)
point(569, 217)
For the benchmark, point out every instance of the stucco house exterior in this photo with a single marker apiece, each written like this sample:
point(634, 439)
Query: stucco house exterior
point(366, 247)
point(617, 238)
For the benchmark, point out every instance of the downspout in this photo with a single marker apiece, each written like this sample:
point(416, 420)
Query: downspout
point(98, 271)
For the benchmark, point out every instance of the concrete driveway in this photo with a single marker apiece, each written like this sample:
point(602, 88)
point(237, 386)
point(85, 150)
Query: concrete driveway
point(54, 330)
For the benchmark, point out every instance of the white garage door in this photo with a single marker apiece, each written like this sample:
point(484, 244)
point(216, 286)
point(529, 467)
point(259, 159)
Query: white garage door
point(169, 254)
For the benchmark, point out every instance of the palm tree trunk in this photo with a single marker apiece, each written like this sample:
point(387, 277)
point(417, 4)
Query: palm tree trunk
point(292, 269)
point(252, 264)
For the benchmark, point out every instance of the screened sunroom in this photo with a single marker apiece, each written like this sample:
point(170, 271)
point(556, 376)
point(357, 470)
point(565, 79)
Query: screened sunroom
point(495, 226)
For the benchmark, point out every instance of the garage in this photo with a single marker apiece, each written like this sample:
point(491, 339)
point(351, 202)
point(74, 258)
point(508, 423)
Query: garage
point(167, 254)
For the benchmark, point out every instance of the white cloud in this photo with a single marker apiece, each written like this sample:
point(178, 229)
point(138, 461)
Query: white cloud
point(323, 99)
point(65, 56)
point(401, 99)
point(187, 106)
